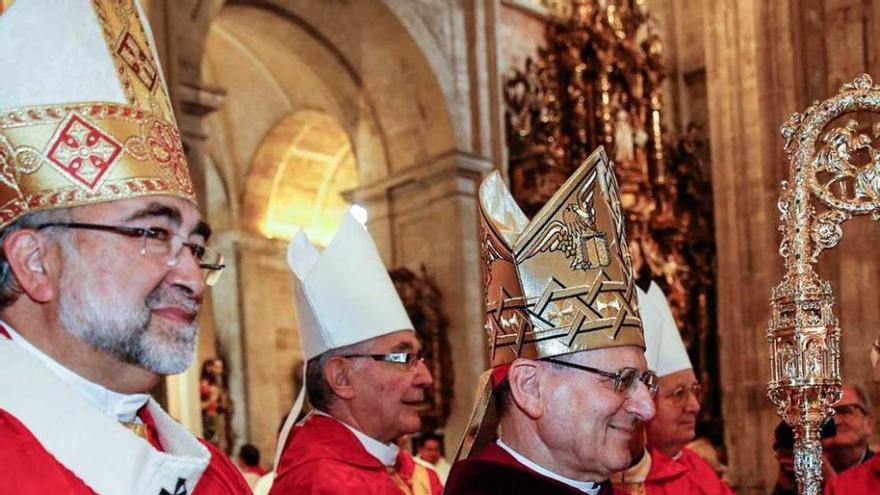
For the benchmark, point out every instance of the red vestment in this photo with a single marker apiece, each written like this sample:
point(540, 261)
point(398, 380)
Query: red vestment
point(323, 457)
point(493, 471)
point(689, 474)
point(864, 478)
point(29, 469)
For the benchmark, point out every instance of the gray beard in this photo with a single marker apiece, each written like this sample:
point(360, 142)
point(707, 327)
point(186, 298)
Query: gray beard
point(126, 331)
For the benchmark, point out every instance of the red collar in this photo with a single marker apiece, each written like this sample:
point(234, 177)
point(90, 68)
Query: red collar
point(495, 466)
point(664, 467)
point(152, 431)
point(4, 333)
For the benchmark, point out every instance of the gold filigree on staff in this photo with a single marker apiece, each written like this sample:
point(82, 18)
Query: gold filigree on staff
point(834, 173)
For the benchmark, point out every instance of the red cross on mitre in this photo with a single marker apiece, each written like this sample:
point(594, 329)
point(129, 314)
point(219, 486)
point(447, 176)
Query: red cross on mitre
point(82, 151)
point(138, 60)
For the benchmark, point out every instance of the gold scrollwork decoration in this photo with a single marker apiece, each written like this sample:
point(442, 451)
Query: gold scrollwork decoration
point(834, 175)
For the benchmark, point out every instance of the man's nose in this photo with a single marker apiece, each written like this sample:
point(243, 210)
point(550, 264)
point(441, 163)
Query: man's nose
point(423, 375)
point(186, 272)
point(692, 403)
point(641, 403)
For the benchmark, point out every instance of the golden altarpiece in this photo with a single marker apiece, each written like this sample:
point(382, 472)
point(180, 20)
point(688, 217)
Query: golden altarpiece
point(597, 81)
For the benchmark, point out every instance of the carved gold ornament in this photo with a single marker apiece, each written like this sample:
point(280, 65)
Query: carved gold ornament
point(835, 174)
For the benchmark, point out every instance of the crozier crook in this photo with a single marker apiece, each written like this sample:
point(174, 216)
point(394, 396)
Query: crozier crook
point(834, 175)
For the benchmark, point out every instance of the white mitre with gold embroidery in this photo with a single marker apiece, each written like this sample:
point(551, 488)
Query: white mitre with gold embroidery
point(664, 348)
point(344, 295)
point(85, 115)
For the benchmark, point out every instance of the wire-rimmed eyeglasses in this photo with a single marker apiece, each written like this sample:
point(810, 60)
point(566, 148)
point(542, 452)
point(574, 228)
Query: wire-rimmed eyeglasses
point(680, 394)
point(408, 359)
point(625, 380)
point(159, 243)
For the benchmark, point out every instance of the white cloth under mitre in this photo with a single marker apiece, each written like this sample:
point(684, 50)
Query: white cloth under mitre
point(343, 296)
point(664, 349)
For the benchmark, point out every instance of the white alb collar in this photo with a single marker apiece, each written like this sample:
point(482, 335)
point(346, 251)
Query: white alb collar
point(122, 407)
point(588, 487)
point(385, 452)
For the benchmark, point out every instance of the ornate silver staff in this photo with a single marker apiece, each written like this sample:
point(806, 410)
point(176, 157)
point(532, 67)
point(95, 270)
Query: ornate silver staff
point(835, 174)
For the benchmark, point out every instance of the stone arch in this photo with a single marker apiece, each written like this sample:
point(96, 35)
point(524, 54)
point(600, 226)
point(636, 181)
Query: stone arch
point(296, 177)
point(389, 99)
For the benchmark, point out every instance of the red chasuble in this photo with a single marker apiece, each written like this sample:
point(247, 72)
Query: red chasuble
point(864, 478)
point(493, 471)
point(323, 457)
point(687, 475)
point(29, 469)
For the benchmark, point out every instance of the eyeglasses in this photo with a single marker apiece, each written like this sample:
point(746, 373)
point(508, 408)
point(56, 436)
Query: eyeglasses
point(849, 409)
point(159, 243)
point(680, 394)
point(409, 359)
point(625, 380)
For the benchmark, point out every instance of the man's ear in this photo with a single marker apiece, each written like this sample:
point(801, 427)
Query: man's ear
point(337, 373)
point(525, 387)
point(27, 254)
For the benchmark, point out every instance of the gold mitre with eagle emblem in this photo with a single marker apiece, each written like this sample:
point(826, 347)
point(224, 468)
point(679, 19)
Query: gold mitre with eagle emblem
point(558, 284)
point(85, 115)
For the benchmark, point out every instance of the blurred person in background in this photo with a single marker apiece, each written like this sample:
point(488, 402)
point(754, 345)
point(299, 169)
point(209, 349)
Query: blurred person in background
point(430, 451)
point(855, 427)
point(865, 477)
point(249, 463)
point(662, 463)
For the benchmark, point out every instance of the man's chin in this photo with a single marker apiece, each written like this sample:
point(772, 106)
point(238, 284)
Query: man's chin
point(409, 424)
point(167, 358)
point(620, 461)
point(167, 368)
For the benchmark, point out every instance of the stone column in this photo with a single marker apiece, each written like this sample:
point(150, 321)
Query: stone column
point(268, 337)
point(194, 104)
point(427, 214)
point(257, 333)
point(750, 77)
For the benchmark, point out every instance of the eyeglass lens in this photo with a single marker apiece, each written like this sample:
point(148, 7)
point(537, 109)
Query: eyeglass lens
point(681, 394)
point(629, 378)
point(209, 260)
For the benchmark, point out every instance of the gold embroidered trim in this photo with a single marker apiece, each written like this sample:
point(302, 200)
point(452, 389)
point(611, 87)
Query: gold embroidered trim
point(70, 155)
point(139, 72)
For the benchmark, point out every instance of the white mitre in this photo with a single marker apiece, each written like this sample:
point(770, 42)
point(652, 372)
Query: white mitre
point(85, 115)
point(343, 296)
point(664, 349)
